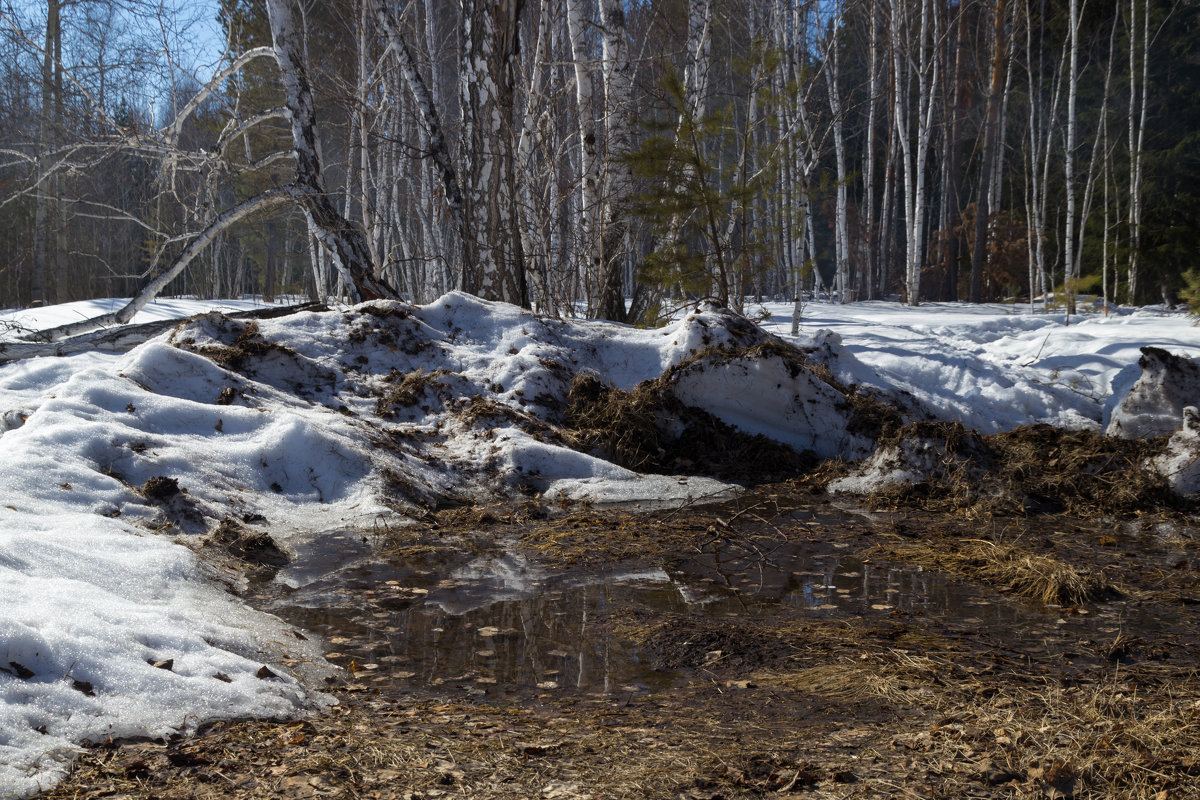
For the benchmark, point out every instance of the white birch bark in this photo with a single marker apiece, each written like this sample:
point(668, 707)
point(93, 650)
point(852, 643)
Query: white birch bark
point(588, 223)
point(841, 236)
point(1069, 155)
point(618, 136)
point(915, 144)
point(1137, 134)
point(490, 46)
point(868, 211)
point(345, 242)
point(438, 149)
point(266, 201)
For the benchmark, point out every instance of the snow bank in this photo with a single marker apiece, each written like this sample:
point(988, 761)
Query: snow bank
point(114, 469)
point(1154, 404)
point(1180, 462)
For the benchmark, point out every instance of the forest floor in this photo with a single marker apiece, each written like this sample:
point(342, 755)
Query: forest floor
point(781, 647)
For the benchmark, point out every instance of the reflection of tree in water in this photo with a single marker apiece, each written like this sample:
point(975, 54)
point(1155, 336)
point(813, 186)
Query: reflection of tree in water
point(503, 623)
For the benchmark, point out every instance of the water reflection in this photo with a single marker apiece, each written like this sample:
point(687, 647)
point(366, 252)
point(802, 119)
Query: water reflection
point(502, 622)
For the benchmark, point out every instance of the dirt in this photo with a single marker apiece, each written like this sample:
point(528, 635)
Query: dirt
point(764, 690)
point(648, 429)
point(1032, 469)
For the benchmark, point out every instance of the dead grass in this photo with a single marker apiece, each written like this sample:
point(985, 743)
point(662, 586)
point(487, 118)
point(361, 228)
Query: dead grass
point(1037, 468)
point(1036, 576)
point(1107, 740)
point(783, 705)
point(248, 345)
point(407, 390)
point(389, 748)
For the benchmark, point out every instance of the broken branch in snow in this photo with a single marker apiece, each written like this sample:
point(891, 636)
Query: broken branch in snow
point(272, 198)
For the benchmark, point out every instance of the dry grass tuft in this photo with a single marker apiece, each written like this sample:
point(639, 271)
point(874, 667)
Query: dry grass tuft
point(1039, 577)
point(1034, 575)
point(408, 390)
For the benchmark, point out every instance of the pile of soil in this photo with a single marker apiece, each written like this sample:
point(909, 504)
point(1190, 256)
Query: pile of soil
point(650, 430)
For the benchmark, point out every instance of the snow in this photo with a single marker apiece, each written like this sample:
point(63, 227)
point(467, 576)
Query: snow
point(318, 422)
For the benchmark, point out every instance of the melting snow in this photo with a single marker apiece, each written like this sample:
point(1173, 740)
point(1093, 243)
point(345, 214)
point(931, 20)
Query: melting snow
point(322, 421)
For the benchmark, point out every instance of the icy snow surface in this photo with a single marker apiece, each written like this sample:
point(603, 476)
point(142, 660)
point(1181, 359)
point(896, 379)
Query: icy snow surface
point(321, 421)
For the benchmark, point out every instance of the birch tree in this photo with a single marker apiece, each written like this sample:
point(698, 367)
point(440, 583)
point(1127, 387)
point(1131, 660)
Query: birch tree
point(914, 56)
point(495, 266)
point(618, 75)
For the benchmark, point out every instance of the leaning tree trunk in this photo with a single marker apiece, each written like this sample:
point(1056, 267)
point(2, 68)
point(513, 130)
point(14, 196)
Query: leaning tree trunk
point(439, 151)
point(348, 245)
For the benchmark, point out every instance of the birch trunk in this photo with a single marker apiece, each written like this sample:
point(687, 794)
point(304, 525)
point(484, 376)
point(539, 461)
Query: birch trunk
point(841, 236)
point(618, 136)
point(915, 144)
point(491, 44)
point(438, 149)
point(1069, 156)
point(1137, 134)
point(588, 223)
point(44, 255)
point(868, 212)
point(345, 242)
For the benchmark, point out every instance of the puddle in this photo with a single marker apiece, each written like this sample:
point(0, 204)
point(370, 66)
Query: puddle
point(499, 624)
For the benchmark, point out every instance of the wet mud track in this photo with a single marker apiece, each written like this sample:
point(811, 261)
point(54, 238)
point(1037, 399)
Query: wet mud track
point(778, 646)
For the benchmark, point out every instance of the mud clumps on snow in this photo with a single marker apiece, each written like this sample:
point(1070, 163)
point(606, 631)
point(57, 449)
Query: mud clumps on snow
point(248, 345)
point(650, 430)
point(160, 489)
point(253, 547)
point(409, 390)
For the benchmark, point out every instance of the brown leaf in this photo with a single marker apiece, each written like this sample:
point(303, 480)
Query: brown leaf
point(265, 673)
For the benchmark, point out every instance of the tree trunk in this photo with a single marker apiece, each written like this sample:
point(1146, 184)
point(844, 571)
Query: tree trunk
point(44, 253)
point(618, 130)
point(1137, 134)
point(841, 235)
point(1069, 156)
point(491, 46)
point(991, 143)
point(588, 223)
point(266, 201)
point(345, 242)
point(438, 150)
point(269, 271)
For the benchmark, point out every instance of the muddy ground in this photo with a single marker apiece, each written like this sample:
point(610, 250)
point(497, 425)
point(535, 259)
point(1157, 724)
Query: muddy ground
point(777, 646)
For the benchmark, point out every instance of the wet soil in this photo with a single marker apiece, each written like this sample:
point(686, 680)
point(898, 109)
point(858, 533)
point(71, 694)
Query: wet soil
point(777, 646)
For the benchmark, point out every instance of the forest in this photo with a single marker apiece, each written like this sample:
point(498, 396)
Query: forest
point(608, 158)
